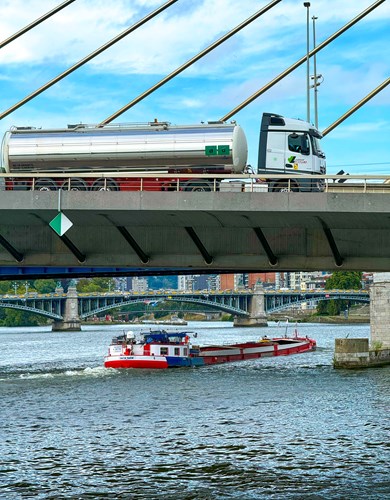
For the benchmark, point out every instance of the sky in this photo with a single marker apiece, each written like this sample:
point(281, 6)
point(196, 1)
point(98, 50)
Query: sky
point(352, 66)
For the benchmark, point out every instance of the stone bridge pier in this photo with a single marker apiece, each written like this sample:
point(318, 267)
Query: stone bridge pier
point(380, 310)
point(361, 353)
point(257, 316)
point(71, 319)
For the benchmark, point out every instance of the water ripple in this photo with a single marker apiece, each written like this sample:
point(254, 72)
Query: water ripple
point(278, 428)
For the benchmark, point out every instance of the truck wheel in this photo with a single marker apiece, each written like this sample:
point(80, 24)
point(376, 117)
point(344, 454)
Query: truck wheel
point(283, 188)
point(45, 185)
point(75, 185)
point(197, 186)
point(105, 185)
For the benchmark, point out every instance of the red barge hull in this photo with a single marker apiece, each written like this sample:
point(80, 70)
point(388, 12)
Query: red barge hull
point(163, 350)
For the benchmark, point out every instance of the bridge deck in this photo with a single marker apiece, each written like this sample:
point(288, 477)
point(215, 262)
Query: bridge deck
point(148, 232)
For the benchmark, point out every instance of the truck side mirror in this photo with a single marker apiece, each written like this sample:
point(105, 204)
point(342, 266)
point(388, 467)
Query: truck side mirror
point(305, 145)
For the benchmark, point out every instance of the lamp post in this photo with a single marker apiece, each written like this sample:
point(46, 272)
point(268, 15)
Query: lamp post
point(315, 77)
point(307, 5)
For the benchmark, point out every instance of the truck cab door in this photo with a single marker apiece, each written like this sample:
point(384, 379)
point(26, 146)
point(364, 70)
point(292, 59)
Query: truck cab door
point(276, 152)
point(298, 153)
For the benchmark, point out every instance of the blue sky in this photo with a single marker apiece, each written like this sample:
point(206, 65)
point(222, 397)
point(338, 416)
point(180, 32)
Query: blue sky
point(352, 66)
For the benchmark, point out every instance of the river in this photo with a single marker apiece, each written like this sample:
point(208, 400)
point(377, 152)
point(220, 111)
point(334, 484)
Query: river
point(279, 428)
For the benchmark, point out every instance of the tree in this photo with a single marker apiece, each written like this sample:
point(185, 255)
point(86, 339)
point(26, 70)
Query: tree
point(5, 287)
point(45, 286)
point(340, 280)
point(14, 317)
point(322, 308)
point(88, 285)
point(345, 280)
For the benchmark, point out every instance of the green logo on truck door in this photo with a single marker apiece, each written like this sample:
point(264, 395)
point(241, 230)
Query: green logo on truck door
point(221, 150)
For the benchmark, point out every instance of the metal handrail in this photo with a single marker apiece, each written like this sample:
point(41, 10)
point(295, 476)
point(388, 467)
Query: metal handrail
point(361, 182)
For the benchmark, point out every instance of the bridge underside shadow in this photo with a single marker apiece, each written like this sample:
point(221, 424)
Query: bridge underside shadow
point(144, 233)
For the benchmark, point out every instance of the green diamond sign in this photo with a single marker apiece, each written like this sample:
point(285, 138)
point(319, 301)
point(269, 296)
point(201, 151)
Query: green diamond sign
point(60, 224)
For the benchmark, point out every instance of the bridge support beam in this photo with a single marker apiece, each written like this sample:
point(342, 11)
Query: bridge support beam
point(357, 353)
point(71, 319)
point(257, 316)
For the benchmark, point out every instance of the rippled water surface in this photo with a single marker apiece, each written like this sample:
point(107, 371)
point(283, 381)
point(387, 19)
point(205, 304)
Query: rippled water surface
point(281, 428)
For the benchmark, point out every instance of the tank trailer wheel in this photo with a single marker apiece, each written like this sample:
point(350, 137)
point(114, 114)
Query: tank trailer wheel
point(105, 185)
point(74, 185)
point(45, 184)
point(195, 186)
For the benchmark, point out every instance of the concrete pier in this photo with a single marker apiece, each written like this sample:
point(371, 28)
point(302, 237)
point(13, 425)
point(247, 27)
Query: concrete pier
point(356, 353)
point(380, 311)
point(257, 316)
point(359, 353)
point(71, 321)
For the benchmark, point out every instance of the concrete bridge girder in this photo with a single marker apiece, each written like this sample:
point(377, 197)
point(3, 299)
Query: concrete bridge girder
point(298, 224)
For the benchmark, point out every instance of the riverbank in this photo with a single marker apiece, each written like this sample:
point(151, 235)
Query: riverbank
point(356, 315)
point(337, 320)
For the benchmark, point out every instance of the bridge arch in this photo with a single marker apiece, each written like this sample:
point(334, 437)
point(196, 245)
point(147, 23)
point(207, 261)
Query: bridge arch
point(40, 312)
point(191, 300)
point(288, 305)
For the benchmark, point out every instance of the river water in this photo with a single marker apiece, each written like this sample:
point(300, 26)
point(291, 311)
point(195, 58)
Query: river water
point(279, 428)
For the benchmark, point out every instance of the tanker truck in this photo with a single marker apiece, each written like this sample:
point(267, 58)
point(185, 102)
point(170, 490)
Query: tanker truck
point(285, 146)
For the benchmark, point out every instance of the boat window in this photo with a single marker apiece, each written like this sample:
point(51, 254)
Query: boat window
point(177, 351)
point(185, 351)
point(163, 351)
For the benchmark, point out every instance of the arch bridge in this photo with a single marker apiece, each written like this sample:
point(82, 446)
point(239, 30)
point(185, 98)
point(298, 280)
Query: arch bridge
point(244, 305)
point(278, 300)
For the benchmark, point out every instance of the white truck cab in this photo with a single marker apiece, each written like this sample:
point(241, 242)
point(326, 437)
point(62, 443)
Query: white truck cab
point(289, 146)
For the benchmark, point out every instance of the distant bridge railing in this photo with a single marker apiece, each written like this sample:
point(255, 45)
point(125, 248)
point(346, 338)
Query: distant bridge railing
point(126, 181)
point(235, 302)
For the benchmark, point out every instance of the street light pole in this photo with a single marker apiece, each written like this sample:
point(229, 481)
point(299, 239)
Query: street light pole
point(315, 74)
point(307, 5)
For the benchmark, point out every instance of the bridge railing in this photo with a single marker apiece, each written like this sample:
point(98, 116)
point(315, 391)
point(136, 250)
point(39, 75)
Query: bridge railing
point(125, 181)
point(171, 294)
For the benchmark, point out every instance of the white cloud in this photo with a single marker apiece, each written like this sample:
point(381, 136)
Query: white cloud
point(352, 65)
point(172, 37)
